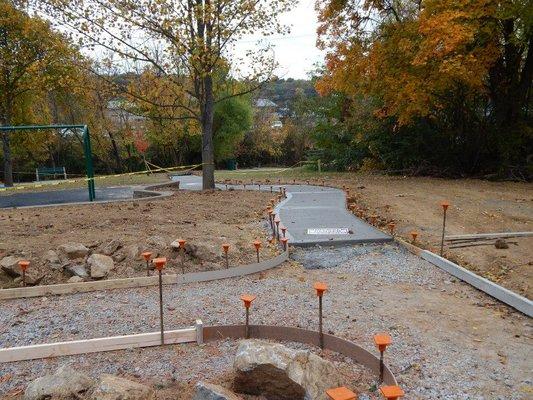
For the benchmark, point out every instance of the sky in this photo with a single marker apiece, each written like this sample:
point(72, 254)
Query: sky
point(296, 53)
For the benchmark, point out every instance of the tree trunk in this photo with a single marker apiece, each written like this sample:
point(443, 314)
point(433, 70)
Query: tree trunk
point(208, 149)
point(5, 120)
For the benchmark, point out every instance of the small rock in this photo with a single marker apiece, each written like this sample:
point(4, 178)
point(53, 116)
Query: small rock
point(158, 242)
point(51, 257)
point(276, 371)
point(75, 279)
point(77, 270)
point(111, 387)
point(100, 265)
point(111, 247)
point(33, 277)
point(501, 244)
point(74, 250)
point(209, 391)
point(66, 382)
point(10, 266)
point(132, 251)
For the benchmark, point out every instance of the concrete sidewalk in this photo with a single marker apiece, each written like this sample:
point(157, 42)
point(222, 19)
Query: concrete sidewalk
point(312, 214)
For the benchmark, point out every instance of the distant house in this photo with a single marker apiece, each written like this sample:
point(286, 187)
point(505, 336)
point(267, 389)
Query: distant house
point(270, 108)
point(117, 112)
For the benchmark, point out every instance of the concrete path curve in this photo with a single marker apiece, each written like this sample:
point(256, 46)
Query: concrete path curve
point(312, 214)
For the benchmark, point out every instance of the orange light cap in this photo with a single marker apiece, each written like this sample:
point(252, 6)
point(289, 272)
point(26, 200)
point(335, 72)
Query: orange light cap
point(320, 288)
point(341, 393)
point(247, 299)
point(391, 392)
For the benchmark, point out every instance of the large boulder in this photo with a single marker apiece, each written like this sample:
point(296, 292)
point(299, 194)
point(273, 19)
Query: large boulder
point(66, 382)
point(111, 387)
point(278, 372)
point(10, 266)
point(100, 265)
point(74, 250)
point(209, 391)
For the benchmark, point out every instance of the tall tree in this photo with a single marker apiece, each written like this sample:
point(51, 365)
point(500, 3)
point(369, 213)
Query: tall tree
point(188, 41)
point(33, 58)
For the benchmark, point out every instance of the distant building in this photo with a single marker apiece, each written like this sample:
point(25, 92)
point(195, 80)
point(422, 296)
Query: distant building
point(271, 109)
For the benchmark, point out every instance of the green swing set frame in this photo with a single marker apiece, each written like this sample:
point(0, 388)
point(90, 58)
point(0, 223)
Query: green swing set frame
point(89, 169)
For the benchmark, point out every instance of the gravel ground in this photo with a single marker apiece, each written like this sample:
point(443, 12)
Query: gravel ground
point(450, 341)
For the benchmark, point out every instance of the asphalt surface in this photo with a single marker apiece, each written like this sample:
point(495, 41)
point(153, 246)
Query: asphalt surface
point(312, 214)
point(63, 196)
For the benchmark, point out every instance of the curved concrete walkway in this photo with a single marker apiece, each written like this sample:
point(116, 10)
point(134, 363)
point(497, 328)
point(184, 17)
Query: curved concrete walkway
point(312, 214)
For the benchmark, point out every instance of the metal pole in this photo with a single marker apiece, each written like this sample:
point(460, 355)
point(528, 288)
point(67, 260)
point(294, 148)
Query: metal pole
point(89, 163)
point(381, 367)
point(257, 251)
point(147, 268)
point(443, 230)
point(24, 278)
point(321, 334)
point(227, 261)
point(247, 327)
point(161, 307)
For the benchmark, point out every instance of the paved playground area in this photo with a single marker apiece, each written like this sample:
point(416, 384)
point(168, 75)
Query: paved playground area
point(45, 198)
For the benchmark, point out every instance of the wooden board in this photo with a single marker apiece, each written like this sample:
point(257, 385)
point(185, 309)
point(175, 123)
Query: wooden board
point(126, 283)
point(97, 345)
point(508, 297)
point(501, 235)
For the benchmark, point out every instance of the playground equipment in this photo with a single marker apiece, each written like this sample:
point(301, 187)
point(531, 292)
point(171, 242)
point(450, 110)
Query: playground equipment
point(89, 169)
point(50, 171)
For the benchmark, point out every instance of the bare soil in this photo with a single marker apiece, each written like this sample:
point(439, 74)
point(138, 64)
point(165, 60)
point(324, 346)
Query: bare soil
point(205, 220)
point(413, 203)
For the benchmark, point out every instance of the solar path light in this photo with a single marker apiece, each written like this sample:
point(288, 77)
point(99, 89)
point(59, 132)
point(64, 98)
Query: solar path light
point(159, 265)
point(382, 341)
point(257, 245)
point(247, 300)
point(225, 249)
point(24, 264)
point(147, 256)
point(320, 288)
point(444, 206)
point(181, 243)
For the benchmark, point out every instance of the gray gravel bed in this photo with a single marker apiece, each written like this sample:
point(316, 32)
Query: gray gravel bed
point(450, 341)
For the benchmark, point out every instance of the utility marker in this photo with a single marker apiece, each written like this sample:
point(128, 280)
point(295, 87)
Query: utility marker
point(382, 341)
point(414, 235)
point(284, 240)
point(247, 300)
point(24, 264)
point(320, 288)
point(147, 256)
point(159, 265)
point(444, 206)
point(391, 226)
point(283, 230)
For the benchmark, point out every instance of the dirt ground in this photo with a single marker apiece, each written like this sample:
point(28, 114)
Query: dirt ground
point(414, 204)
point(205, 220)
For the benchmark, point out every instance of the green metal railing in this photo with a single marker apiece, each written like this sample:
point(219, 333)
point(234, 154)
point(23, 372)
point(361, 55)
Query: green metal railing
point(87, 150)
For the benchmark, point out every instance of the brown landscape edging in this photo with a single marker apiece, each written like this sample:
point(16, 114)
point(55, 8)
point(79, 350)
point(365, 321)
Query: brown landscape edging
point(199, 334)
point(127, 283)
point(284, 333)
